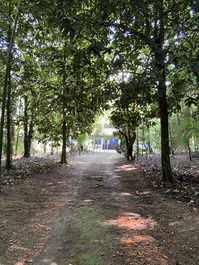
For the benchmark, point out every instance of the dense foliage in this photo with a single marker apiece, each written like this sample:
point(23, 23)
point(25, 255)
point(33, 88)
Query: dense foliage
point(62, 61)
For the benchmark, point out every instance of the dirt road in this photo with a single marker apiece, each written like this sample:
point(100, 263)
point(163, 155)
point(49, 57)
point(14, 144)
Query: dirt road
point(99, 210)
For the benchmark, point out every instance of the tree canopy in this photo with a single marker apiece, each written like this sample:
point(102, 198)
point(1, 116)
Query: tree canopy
point(62, 62)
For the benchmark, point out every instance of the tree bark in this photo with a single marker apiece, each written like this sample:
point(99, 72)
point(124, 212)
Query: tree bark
point(130, 146)
point(8, 107)
point(26, 148)
point(137, 144)
point(178, 118)
point(28, 141)
point(28, 130)
point(52, 149)
point(127, 148)
point(64, 105)
point(164, 121)
point(160, 59)
point(17, 132)
point(129, 152)
point(64, 138)
point(133, 141)
point(17, 140)
point(9, 131)
point(143, 141)
point(149, 142)
point(130, 140)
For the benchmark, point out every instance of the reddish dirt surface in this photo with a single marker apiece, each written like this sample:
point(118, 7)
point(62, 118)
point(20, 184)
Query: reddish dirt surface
point(98, 210)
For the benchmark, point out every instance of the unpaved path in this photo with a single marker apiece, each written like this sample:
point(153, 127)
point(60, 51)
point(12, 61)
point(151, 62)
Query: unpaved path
point(100, 210)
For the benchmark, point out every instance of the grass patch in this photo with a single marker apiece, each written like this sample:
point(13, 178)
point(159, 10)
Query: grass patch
point(87, 259)
point(94, 239)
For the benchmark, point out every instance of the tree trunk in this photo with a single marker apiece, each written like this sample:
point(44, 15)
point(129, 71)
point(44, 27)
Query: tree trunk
point(30, 135)
point(64, 103)
point(64, 138)
point(164, 124)
point(17, 140)
point(28, 130)
point(137, 144)
point(130, 152)
point(8, 65)
point(9, 131)
point(178, 118)
point(143, 139)
point(17, 132)
point(133, 138)
point(160, 59)
point(26, 146)
point(52, 150)
point(130, 140)
point(127, 148)
point(28, 142)
point(130, 146)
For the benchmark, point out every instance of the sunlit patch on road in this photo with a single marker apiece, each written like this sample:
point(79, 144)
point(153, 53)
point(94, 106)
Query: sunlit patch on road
point(136, 239)
point(88, 200)
point(15, 247)
point(132, 221)
point(20, 263)
point(126, 168)
point(124, 194)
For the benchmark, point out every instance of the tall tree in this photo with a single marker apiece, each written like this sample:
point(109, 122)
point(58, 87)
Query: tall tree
point(6, 79)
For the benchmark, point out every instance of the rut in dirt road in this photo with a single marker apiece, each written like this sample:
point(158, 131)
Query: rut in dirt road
point(103, 211)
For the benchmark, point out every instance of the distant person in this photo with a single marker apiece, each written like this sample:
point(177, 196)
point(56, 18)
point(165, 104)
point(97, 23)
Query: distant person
point(82, 148)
